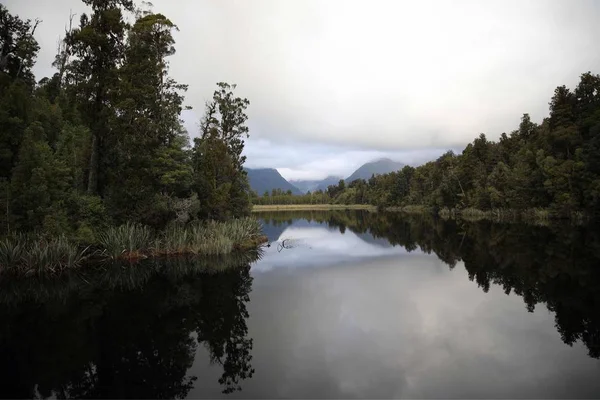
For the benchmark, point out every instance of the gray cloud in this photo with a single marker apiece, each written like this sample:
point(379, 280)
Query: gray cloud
point(369, 75)
point(309, 160)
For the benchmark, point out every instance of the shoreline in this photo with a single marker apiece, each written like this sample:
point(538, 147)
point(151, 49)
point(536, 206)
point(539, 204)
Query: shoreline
point(531, 215)
point(308, 207)
point(36, 254)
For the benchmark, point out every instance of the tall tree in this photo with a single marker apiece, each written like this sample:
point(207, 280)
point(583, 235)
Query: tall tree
point(149, 152)
point(98, 48)
point(39, 180)
point(219, 177)
point(18, 51)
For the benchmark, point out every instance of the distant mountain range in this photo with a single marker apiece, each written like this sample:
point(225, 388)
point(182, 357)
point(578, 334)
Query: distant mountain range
point(267, 179)
point(311, 186)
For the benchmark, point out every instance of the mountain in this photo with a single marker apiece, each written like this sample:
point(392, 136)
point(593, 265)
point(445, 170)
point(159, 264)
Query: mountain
point(330, 180)
point(381, 166)
point(306, 186)
point(263, 179)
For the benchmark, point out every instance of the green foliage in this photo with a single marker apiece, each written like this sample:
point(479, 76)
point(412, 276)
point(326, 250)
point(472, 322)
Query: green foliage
point(39, 180)
point(101, 142)
point(11, 252)
point(128, 239)
point(133, 240)
point(150, 157)
point(23, 255)
point(220, 181)
point(208, 238)
point(279, 197)
point(19, 47)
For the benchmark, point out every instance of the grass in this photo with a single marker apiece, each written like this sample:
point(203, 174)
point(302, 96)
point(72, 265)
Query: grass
point(302, 207)
point(209, 238)
point(26, 256)
point(23, 255)
point(125, 241)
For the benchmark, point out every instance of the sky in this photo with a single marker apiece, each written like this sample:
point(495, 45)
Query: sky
point(336, 83)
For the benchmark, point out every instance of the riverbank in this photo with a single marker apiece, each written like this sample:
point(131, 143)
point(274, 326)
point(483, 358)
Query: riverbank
point(532, 215)
point(27, 255)
point(309, 207)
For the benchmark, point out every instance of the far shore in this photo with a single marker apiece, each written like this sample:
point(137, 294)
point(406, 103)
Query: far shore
point(536, 216)
point(302, 207)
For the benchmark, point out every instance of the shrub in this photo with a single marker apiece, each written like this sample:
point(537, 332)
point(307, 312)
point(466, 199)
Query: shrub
point(129, 239)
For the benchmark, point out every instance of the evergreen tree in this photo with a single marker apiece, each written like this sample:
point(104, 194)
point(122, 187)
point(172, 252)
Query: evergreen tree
point(18, 51)
point(98, 47)
point(148, 157)
point(39, 181)
point(219, 177)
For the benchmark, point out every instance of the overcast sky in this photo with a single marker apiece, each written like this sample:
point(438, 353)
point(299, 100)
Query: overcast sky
point(333, 84)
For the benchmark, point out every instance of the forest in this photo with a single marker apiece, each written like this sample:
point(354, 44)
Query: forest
point(551, 168)
point(101, 143)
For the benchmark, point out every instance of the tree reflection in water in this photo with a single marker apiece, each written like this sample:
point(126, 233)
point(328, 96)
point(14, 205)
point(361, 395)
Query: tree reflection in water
point(132, 334)
point(557, 265)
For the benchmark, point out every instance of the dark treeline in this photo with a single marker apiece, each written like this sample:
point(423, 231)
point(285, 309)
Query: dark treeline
point(101, 141)
point(554, 165)
point(550, 265)
point(278, 196)
point(134, 333)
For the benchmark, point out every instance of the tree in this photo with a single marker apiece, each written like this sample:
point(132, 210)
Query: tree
point(219, 177)
point(18, 51)
point(39, 180)
point(98, 48)
point(18, 47)
point(148, 157)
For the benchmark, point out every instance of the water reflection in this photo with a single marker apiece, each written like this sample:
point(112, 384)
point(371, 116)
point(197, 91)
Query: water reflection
point(360, 305)
point(556, 265)
point(134, 334)
point(316, 245)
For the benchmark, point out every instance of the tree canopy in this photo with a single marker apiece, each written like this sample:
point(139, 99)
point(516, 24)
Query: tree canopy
point(102, 140)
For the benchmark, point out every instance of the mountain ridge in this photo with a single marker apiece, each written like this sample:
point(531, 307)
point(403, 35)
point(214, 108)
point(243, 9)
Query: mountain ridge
point(314, 185)
point(267, 179)
point(376, 167)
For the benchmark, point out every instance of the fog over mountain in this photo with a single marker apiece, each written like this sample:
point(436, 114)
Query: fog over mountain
point(377, 167)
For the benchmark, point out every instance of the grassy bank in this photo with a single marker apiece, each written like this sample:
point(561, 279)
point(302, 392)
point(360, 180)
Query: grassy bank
point(308, 207)
point(31, 255)
point(532, 215)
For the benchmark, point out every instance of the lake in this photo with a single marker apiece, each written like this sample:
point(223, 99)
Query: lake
point(343, 304)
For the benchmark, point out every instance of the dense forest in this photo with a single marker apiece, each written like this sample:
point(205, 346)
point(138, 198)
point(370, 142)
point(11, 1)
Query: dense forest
point(553, 166)
point(101, 142)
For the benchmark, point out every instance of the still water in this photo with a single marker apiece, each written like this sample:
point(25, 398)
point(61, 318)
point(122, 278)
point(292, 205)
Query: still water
point(341, 305)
